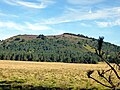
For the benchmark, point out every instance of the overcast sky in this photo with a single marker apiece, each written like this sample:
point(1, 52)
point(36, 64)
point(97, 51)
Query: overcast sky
point(92, 18)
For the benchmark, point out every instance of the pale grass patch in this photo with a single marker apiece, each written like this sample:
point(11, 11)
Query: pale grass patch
point(50, 74)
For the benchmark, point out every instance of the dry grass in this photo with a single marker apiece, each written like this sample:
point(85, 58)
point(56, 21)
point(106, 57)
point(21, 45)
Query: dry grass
point(47, 74)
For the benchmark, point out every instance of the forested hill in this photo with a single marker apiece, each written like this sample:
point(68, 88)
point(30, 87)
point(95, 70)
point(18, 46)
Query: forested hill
point(58, 48)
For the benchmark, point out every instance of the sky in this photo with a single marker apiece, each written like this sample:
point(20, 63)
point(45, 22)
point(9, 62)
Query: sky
point(91, 18)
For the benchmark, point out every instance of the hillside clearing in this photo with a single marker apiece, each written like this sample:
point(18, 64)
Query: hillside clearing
point(48, 74)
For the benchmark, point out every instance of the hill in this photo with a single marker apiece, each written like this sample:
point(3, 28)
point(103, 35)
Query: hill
point(66, 47)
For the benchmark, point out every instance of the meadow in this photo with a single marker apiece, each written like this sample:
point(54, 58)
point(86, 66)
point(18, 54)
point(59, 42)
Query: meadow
point(48, 75)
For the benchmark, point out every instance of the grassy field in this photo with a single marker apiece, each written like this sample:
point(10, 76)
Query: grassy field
point(19, 74)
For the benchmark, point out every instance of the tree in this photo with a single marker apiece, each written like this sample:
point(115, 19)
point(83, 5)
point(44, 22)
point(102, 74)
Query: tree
point(104, 73)
point(17, 39)
point(41, 36)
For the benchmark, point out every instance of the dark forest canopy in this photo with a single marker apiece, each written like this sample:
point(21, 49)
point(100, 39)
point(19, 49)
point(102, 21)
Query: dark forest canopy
point(67, 47)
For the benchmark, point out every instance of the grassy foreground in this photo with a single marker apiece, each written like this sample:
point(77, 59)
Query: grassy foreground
point(21, 75)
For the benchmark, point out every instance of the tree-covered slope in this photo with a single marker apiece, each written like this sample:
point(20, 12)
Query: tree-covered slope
point(60, 48)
